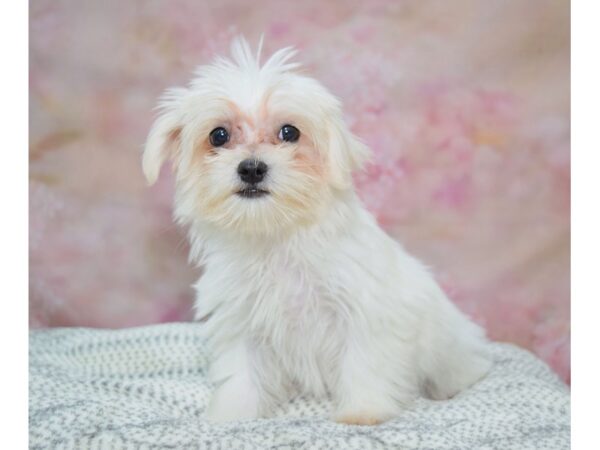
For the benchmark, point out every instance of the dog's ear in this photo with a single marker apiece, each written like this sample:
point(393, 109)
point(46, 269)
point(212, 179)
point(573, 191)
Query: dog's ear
point(164, 137)
point(346, 153)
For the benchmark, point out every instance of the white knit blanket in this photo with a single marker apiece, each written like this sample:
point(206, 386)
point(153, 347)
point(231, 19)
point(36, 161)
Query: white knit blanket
point(146, 388)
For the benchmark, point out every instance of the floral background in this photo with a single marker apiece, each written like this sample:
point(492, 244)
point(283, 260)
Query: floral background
point(464, 103)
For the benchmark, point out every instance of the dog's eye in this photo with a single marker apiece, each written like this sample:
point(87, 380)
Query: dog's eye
point(289, 133)
point(219, 136)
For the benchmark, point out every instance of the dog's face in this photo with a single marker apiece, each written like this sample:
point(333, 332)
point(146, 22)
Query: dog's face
point(255, 149)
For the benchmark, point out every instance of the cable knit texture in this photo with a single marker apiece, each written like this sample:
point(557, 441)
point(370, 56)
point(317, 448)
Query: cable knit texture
point(147, 388)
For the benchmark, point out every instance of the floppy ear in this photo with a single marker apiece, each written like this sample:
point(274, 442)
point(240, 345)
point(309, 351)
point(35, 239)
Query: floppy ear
point(164, 135)
point(346, 153)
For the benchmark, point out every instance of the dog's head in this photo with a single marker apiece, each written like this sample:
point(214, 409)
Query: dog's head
point(254, 148)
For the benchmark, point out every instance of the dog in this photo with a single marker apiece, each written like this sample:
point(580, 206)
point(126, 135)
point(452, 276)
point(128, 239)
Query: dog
point(302, 292)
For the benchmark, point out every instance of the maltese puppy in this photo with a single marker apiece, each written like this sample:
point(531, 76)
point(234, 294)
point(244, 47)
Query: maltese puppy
point(302, 292)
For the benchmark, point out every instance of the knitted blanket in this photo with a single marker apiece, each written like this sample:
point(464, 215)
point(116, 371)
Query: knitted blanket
point(146, 388)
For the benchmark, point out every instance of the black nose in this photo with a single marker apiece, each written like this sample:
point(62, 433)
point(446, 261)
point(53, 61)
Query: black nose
point(252, 170)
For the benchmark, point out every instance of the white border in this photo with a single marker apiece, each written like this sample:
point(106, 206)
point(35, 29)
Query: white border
point(585, 207)
point(14, 41)
point(585, 144)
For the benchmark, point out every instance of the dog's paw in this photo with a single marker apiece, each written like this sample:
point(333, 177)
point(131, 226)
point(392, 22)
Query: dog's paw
point(358, 419)
point(361, 417)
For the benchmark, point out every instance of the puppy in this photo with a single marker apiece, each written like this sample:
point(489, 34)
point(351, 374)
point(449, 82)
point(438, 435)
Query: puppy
point(302, 292)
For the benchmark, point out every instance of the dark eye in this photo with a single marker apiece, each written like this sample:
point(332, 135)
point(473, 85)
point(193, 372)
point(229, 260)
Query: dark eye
point(289, 133)
point(219, 136)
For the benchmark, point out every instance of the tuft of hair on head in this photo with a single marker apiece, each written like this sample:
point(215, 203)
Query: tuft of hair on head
point(243, 57)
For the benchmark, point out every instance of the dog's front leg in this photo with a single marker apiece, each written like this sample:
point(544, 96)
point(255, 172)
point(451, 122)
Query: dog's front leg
point(237, 397)
point(373, 385)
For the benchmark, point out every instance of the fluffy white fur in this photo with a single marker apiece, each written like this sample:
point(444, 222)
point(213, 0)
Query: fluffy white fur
point(302, 292)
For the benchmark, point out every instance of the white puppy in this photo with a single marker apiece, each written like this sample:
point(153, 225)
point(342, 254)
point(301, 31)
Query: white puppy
point(302, 292)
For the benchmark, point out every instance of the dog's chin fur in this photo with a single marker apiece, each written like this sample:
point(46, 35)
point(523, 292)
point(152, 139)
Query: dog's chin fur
point(302, 292)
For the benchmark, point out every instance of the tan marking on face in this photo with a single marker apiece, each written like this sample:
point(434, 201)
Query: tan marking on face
point(239, 115)
point(263, 107)
point(248, 129)
point(201, 150)
point(307, 161)
point(215, 204)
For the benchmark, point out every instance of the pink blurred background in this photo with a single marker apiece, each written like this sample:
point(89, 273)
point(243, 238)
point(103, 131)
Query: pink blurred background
point(464, 103)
